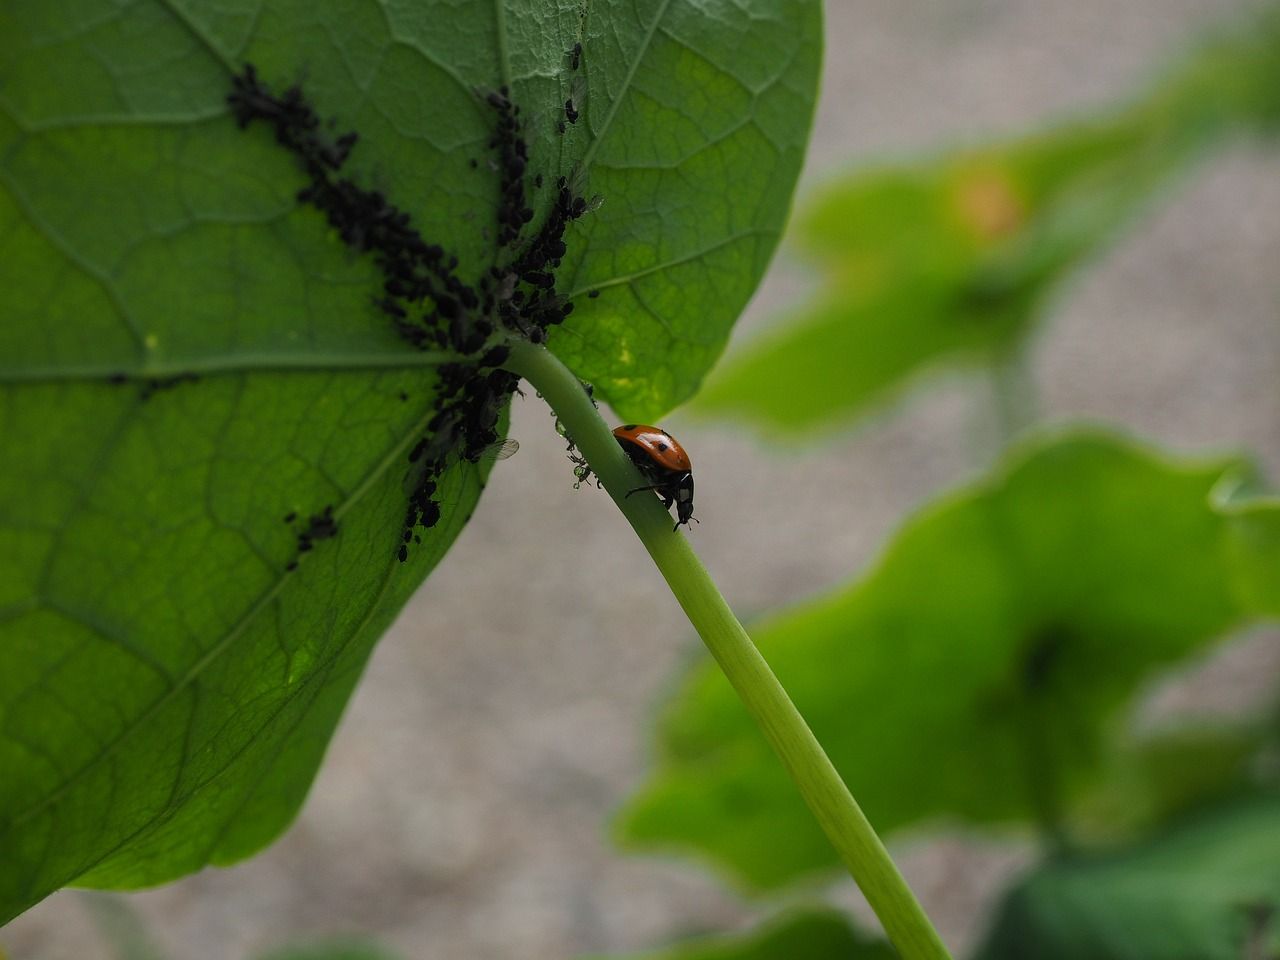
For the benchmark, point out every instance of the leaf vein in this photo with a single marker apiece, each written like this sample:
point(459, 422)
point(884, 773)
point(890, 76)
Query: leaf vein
point(222, 645)
point(599, 135)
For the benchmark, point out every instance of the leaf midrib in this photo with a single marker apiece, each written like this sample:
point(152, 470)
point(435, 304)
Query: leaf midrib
point(229, 364)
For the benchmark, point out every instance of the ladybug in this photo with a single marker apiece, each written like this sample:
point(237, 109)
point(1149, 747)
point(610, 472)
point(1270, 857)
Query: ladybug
point(663, 462)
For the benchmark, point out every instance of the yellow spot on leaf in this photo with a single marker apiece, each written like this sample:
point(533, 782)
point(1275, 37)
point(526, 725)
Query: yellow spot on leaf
point(988, 203)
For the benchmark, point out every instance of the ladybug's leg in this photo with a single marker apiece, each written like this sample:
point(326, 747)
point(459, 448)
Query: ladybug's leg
point(655, 486)
point(662, 489)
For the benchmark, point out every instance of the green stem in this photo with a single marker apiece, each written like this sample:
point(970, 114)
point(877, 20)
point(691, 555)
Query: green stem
point(819, 782)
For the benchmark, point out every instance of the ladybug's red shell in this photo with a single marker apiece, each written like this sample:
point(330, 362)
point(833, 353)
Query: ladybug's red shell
point(660, 447)
point(663, 462)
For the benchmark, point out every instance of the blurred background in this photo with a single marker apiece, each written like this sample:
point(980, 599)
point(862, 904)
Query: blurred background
point(463, 808)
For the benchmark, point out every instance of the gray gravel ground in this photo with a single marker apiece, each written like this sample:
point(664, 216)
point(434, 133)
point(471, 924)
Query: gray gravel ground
point(461, 810)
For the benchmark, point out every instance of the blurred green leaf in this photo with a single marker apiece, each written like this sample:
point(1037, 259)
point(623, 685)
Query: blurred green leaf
point(120, 926)
point(167, 689)
point(800, 935)
point(1208, 890)
point(1253, 527)
point(336, 950)
point(974, 672)
point(1162, 776)
point(955, 258)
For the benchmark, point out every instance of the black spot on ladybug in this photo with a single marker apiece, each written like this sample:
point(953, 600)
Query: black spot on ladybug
point(663, 447)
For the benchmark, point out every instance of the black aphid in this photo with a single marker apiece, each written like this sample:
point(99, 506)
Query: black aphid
point(155, 385)
point(322, 525)
point(364, 219)
point(424, 299)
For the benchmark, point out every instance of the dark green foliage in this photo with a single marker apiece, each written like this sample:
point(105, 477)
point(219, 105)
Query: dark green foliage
point(1208, 888)
point(799, 935)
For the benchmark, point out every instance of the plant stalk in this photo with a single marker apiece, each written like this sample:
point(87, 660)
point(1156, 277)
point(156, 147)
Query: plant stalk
point(807, 763)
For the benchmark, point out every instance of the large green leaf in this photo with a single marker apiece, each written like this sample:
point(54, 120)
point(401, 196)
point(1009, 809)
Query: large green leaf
point(187, 356)
point(955, 258)
point(1209, 889)
point(974, 671)
point(1253, 524)
point(698, 138)
point(799, 935)
point(1157, 777)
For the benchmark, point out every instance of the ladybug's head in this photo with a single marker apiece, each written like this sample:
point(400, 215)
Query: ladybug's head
point(684, 501)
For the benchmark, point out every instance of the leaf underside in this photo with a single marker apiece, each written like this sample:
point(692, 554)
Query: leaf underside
point(188, 356)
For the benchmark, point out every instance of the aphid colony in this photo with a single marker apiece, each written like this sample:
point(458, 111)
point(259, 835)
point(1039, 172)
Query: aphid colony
point(153, 385)
point(430, 306)
point(321, 526)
